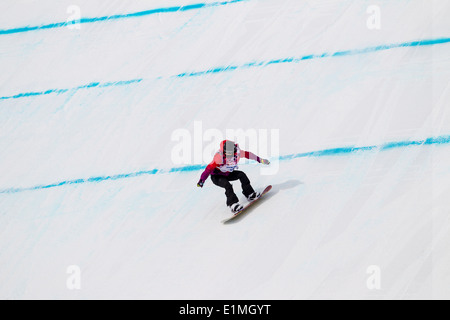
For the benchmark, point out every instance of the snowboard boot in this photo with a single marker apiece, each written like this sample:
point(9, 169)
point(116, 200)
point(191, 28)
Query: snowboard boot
point(236, 207)
point(253, 196)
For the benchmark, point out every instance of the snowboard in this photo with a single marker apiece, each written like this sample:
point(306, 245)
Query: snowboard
point(237, 214)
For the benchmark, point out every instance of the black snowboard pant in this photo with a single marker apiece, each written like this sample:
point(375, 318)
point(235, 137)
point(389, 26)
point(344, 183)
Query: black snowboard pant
point(224, 182)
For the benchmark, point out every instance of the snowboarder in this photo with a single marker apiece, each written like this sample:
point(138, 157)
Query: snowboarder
point(223, 169)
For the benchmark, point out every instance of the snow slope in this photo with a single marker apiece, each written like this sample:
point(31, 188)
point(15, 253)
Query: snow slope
point(360, 205)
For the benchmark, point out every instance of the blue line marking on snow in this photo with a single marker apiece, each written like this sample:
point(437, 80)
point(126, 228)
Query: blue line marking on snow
point(427, 42)
point(243, 66)
point(121, 16)
point(86, 86)
point(441, 140)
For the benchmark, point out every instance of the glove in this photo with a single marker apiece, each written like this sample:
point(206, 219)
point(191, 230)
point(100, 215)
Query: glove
point(200, 184)
point(264, 161)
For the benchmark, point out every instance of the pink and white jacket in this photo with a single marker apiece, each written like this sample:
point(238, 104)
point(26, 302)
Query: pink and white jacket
point(221, 165)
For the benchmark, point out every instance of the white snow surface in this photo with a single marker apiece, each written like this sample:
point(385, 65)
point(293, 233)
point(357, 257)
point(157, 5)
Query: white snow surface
point(329, 221)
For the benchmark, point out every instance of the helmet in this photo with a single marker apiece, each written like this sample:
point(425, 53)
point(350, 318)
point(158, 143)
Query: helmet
point(228, 148)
